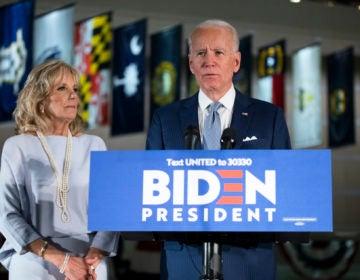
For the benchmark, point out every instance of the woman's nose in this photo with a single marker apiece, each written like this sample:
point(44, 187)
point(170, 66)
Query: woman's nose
point(73, 94)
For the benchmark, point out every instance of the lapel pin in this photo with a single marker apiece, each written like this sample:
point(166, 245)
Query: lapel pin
point(244, 114)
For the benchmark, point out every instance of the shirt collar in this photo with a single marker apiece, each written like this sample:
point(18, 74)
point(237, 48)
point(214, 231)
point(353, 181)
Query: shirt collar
point(227, 100)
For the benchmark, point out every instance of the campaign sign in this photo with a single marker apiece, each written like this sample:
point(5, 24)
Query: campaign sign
point(201, 190)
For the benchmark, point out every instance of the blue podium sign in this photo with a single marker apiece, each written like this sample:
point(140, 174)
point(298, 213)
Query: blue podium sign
point(199, 190)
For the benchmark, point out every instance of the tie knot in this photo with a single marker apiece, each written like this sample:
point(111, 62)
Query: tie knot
point(215, 106)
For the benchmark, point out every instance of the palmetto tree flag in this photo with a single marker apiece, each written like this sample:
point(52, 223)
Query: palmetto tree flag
point(340, 73)
point(306, 75)
point(92, 59)
point(165, 66)
point(242, 78)
point(52, 42)
point(16, 39)
point(129, 44)
point(271, 69)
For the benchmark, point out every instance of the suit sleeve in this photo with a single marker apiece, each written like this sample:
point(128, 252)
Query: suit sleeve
point(154, 140)
point(281, 137)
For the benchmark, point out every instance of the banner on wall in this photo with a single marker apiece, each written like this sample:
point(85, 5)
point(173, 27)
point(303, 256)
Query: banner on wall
point(165, 67)
point(16, 40)
point(129, 44)
point(92, 59)
point(242, 78)
point(340, 73)
point(307, 105)
point(192, 85)
point(52, 42)
point(271, 69)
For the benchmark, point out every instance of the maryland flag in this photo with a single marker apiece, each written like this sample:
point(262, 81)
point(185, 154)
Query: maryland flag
point(340, 73)
point(92, 59)
point(271, 69)
point(165, 67)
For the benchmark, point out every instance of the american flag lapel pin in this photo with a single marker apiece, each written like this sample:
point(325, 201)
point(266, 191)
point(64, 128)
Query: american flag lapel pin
point(245, 114)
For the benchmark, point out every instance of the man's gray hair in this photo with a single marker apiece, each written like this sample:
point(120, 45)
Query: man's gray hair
point(216, 23)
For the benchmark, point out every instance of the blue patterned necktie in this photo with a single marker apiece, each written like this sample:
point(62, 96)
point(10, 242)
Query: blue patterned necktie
point(212, 128)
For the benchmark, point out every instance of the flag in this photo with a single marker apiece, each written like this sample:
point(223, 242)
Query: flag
point(306, 75)
point(92, 59)
point(165, 67)
point(191, 83)
point(242, 78)
point(52, 42)
point(129, 44)
point(340, 74)
point(16, 35)
point(271, 69)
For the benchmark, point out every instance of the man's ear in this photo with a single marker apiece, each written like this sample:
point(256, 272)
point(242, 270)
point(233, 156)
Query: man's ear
point(237, 61)
point(190, 63)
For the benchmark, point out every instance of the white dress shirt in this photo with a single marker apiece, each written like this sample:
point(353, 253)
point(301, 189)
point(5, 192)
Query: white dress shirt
point(224, 111)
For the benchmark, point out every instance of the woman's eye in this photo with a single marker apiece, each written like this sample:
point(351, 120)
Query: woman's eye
point(61, 88)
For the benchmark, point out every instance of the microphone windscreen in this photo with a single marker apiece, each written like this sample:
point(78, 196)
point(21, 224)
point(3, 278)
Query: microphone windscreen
point(192, 137)
point(228, 137)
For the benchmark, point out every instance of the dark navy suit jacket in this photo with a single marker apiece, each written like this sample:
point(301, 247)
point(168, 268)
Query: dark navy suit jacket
point(251, 117)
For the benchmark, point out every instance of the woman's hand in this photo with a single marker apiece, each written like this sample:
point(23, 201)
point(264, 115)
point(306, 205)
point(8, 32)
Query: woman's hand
point(77, 269)
point(94, 256)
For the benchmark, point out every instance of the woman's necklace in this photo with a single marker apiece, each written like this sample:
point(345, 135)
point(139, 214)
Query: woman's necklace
point(62, 183)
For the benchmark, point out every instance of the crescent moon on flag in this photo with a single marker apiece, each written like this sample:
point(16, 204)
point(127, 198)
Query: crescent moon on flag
point(135, 46)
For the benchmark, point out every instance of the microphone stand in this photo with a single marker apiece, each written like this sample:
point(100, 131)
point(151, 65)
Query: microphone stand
point(212, 261)
point(212, 251)
point(211, 266)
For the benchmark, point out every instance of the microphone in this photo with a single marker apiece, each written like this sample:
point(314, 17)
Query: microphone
point(192, 137)
point(227, 140)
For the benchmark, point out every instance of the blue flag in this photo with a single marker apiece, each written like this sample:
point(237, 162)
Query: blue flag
point(51, 42)
point(192, 86)
point(128, 78)
point(16, 28)
point(340, 73)
point(165, 67)
point(242, 78)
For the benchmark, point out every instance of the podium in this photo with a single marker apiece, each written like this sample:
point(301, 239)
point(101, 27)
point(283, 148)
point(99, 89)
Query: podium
point(212, 197)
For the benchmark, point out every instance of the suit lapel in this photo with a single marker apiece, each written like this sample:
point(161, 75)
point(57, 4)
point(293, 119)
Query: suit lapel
point(189, 112)
point(241, 118)
point(240, 121)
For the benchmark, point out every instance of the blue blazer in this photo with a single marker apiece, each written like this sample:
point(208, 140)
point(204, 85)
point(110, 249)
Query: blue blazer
point(251, 117)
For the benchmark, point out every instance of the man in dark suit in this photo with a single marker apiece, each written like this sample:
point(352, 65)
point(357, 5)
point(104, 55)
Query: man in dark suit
point(213, 59)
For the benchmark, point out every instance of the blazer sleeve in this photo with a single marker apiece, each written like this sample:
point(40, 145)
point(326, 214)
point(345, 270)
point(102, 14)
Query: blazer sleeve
point(14, 215)
point(154, 140)
point(281, 137)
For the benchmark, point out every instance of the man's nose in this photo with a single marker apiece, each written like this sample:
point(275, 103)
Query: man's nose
point(209, 59)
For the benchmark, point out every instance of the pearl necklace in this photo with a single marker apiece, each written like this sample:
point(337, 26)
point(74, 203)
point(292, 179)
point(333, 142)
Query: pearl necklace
point(62, 183)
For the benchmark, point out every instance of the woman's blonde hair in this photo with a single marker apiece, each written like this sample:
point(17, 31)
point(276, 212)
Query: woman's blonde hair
point(28, 113)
